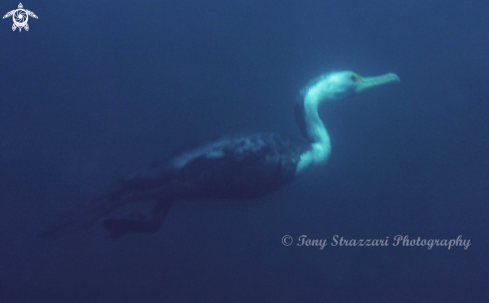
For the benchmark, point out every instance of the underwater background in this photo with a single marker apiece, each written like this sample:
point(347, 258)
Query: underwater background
point(98, 90)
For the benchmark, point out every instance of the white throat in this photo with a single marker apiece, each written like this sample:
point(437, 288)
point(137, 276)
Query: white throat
point(321, 147)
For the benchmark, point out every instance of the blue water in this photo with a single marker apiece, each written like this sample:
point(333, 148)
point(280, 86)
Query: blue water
point(95, 91)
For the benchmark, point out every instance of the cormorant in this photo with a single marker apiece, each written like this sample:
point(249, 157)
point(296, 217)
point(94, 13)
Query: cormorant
point(239, 167)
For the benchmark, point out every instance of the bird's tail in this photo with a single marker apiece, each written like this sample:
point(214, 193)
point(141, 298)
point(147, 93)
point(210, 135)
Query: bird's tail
point(136, 189)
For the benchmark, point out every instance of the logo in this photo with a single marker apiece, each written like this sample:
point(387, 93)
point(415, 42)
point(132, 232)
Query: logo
point(20, 17)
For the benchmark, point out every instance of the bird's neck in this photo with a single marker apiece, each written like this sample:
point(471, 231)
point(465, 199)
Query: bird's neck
point(320, 147)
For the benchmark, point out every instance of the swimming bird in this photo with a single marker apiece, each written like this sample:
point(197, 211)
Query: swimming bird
point(235, 167)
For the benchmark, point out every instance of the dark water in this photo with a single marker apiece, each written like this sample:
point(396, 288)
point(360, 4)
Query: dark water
point(97, 90)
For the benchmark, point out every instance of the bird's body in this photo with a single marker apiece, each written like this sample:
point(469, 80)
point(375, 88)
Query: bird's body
point(238, 167)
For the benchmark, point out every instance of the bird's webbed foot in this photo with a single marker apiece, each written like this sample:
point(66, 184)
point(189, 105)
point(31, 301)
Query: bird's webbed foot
point(118, 227)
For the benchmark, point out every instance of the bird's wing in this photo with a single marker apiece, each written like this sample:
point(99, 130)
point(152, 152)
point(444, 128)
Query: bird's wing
point(8, 14)
point(31, 14)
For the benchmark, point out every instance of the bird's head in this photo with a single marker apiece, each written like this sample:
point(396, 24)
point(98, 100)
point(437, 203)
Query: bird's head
point(338, 85)
point(328, 87)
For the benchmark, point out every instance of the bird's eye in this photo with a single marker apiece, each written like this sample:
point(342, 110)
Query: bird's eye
point(353, 78)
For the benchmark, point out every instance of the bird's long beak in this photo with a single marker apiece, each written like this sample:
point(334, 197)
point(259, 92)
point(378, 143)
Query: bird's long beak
point(376, 81)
